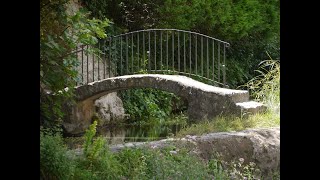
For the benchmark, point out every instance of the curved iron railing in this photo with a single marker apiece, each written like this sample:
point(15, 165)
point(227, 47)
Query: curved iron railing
point(163, 51)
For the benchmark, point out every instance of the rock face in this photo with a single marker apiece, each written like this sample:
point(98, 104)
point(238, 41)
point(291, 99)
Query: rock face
point(261, 146)
point(109, 109)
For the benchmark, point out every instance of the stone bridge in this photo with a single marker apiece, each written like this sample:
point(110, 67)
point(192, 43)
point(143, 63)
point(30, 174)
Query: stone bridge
point(204, 101)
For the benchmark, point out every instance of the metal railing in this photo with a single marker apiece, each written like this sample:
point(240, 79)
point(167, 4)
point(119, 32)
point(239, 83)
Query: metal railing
point(162, 51)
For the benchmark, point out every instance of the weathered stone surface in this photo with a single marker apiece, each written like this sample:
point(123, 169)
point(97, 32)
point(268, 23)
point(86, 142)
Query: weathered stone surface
point(78, 117)
point(109, 109)
point(251, 107)
point(261, 146)
point(201, 97)
point(204, 101)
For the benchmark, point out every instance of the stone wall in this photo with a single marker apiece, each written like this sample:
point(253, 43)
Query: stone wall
point(108, 108)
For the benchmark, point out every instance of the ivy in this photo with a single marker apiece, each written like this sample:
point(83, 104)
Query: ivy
point(60, 33)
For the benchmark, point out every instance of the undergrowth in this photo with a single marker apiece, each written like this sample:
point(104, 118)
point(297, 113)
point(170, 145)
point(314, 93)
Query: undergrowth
point(98, 162)
point(264, 88)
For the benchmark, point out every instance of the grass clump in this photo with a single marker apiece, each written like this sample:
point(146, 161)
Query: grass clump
point(264, 88)
point(232, 123)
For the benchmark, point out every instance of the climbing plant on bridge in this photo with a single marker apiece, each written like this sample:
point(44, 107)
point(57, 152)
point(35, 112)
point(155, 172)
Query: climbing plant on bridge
point(60, 33)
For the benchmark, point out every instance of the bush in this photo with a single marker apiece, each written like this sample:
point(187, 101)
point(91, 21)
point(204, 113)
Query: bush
point(54, 163)
point(146, 104)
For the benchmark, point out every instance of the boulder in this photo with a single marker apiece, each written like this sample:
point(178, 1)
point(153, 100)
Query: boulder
point(109, 109)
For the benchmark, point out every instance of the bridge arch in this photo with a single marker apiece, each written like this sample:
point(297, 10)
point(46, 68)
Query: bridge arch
point(204, 101)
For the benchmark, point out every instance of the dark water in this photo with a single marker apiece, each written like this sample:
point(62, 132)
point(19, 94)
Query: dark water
point(137, 133)
point(129, 133)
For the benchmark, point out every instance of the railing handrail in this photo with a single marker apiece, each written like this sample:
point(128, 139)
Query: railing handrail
point(178, 30)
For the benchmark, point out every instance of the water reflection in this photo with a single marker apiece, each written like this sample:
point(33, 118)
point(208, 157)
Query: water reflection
point(137, 133)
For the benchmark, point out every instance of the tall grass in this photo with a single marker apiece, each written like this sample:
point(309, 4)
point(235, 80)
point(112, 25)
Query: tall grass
point(265, 88)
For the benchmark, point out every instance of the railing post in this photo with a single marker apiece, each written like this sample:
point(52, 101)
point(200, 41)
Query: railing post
point(161, 51)
point(109, 65)
point(149, 55)
point(213, 60)
point(144, 51)
point(190, 37)
point(82, 63)
point(178, 51)
point(132, 70)
point(155, 51)
point(219, 62)
point(127, 55)
point(173, 51)
point(138, 52)
point(184, 53)
point(87, 64)
point(224, 65)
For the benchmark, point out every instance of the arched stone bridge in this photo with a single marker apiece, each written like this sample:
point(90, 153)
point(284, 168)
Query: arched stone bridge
point(204, 101)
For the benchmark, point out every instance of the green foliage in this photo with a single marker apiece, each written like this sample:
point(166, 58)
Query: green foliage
point(54, 163)
point(129, 15)
point(265, 87)
point(98, 162)
point(250, 26)
point(232, 123)
point(60, 34)
point(216, 168)
point(145, 104)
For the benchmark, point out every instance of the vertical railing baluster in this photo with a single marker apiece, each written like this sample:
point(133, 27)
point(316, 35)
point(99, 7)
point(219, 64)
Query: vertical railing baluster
point(127, 55)
point(87, 64)
point(161, 51)
point(184, 52)
point(224, 64)
point(115, 58)
point(149, 55)
point(144, 54)
point(196, 54)
point(99, 61)
point(104, 58)
point(76, 66)
point(82, 63)
point(207, 57)
point(201, 55)
point(92, 66)
point(213, 60)
point(178, 51)
point(167, 51)
point(173, 51)
point(190, 49)
point(132, 70)
point(219, 62)
point(155, 51)
point(138, 52)
point(121, 59)
point(109, 65)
